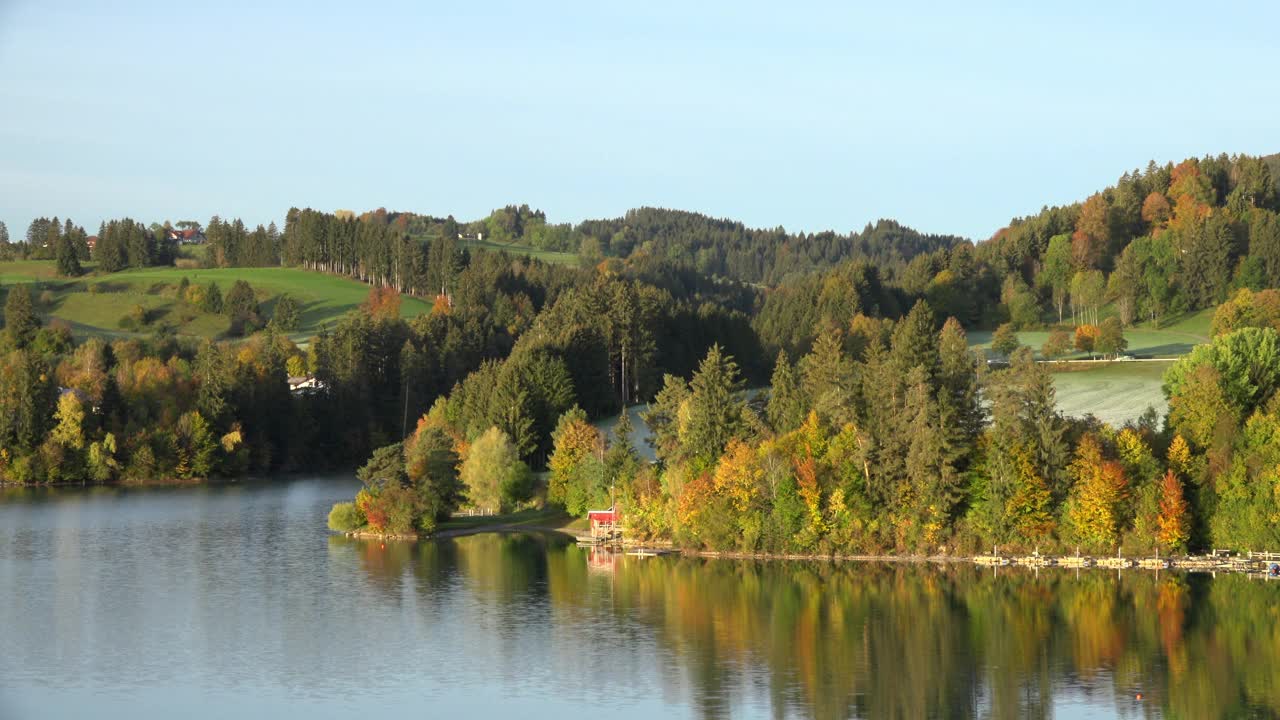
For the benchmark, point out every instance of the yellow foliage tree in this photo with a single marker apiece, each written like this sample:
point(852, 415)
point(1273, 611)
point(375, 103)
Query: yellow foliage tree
point(1099, 493)
point(69, 432)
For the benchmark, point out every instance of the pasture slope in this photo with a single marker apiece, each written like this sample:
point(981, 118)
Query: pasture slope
point(94, 303)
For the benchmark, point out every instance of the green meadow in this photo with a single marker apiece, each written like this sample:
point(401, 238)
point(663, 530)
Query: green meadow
point(549, 256)
point(1171, 339)
point(1114, 392)
point(94, 304)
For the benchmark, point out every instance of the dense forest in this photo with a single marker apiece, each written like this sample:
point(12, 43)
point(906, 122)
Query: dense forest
point(543, 337)
point(880, 429)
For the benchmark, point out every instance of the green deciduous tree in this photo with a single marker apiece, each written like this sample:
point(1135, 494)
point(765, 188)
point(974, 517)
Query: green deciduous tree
point(1004, 340)
point(1111, 340)
point(495, 477)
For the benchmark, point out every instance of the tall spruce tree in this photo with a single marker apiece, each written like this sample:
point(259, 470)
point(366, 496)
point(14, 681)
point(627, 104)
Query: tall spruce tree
point(715, 407)
point(20, 319)
point(786, 402)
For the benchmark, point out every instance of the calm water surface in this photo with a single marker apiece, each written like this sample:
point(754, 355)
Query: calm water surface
point(235, 602)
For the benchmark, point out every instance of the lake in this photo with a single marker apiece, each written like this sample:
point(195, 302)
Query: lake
point(234, 601)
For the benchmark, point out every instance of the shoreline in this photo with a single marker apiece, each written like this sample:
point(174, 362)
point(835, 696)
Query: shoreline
point(1188, 563)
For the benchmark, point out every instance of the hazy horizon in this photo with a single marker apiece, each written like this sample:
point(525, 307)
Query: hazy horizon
point(949, 120)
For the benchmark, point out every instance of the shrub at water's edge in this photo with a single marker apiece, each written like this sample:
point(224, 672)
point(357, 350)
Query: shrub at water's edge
point(409, 487)
point(345, 517)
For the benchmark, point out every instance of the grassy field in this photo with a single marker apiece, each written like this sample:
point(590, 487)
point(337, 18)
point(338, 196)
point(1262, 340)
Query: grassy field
point(94, 304)
point(549, 256)
point(1170, 340)
point(1112, 392)
point(552, 517)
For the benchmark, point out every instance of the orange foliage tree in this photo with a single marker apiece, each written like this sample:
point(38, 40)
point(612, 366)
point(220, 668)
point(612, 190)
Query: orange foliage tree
point(1086, 337)
point(1156, 210)
point(384, 303)
point(1173, 525)
point(1093, 232)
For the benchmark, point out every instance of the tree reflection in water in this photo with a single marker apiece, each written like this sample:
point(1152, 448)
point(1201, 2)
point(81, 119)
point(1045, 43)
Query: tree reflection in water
point(878, 640)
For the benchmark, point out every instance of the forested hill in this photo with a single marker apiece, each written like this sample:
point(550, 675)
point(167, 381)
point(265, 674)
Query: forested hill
point(728, 248)
point(692, 241)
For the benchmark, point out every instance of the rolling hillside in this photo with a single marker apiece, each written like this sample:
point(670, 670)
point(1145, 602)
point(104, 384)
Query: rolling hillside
point(94, 304)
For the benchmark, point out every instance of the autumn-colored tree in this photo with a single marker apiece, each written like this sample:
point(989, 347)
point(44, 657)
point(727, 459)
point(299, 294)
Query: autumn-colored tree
point(740, 480)
point(1093, 232)
point(576, 443)
point(70, 415)
point(383, 303)
point(1004, 340)
point(1179, 456)
point(1156, 210)
point(738, 475)
point(1110, 340)
point(296, 366)
point(1186, 181)
point(1059, 343)
point(1098, 495)
point(1028, 508)
point(1085, 338)
point(1247, 309)
point(1173, 524)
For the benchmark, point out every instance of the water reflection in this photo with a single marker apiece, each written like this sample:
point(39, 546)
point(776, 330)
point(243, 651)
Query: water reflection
point(881, 640)
point(233, 601)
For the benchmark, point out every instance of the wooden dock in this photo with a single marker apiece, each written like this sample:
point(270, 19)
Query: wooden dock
point(648, 552)
point(1036, 560)
point(1253, 563)
point(991, 560)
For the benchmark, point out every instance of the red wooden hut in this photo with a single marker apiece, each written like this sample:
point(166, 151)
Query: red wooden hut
point(604, 523)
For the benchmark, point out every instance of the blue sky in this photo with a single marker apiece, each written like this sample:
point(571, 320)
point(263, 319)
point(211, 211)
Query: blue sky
point(806, 115)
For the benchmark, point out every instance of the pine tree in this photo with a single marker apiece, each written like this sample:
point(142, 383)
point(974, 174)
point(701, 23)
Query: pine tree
point(786, 403)
point(715, 409)
point(286, 314)
point(958, 379)
point(65, 252)
point(20, 319)
point(915, 340)
point(827, 379)
point(932, 481)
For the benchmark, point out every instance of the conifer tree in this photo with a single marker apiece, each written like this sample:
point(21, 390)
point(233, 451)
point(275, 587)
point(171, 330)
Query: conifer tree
point(65, 252)
point(915, 340)
point(20, 319)
point(786, 403)
point(715, 409)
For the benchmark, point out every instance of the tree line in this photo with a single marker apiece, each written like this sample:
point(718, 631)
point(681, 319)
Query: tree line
point(517, 341)
point(887, 436)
